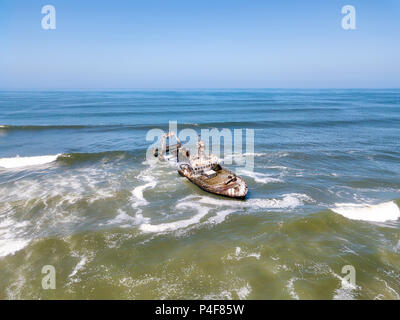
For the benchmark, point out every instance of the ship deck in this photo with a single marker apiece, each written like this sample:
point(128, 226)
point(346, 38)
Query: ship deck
point(219, 180)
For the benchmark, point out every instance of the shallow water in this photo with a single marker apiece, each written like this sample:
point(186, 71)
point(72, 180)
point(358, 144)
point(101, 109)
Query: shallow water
point(324, 193)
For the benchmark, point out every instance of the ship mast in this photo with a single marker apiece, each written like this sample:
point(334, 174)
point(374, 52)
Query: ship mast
point(200, 148)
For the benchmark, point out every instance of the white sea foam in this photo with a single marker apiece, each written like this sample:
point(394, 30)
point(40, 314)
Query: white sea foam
point(12, 236)
point(288, 201)
point(204, 204)
point(79, 266)
point(172, 226)
point(290, 287)
point(241, 254)
point(56, 196)
point(237, 251)
point(277, 167)
point(392, 291)
point(137, 193)
point(258, 176)
point(139, 219)
point(10, 246)
point(346, 290)
point(282, 154)
point(241, 155)
point(18, 162)
point(244, 291)
point(122, 217)
point(255, 154)
point(220, 216)
point(125, 220)
point(378, 213)
point(72, 185)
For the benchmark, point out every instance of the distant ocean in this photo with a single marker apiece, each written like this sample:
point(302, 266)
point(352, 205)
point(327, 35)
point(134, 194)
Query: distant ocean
point(77, 193)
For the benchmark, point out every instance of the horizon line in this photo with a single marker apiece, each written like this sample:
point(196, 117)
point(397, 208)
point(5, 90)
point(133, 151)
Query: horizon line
point(192, 89)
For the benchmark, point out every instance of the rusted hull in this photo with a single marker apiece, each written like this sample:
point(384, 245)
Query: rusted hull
point(226, 183)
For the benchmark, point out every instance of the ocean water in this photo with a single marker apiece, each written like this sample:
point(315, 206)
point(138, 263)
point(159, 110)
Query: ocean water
point(77, 193)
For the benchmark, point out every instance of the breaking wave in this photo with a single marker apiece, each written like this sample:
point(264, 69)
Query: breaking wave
point(75, 158)
point(377, 213)
point(18, 162)
point(67, 158)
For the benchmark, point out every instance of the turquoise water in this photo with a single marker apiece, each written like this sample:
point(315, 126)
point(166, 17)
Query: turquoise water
point(324, 193)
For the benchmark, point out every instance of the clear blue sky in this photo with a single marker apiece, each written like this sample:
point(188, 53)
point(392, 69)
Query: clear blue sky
point(199, 44)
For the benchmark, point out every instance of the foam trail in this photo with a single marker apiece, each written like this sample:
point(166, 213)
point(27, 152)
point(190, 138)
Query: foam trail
point(240, 254)
point(125, 220)
point(290, 288)
point(220, 217)
point(288, 201)
point(378, 213)
point(137, 193)
point(171, 226)
point(259, 177)
point(78, 267)
point(241, 156)
point(17, 162)
point(346, 290)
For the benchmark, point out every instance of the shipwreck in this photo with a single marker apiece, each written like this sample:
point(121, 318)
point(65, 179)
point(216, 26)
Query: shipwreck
point(205, 171)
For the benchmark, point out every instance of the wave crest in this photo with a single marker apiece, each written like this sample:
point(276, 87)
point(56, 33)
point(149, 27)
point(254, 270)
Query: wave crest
point(377, 213)
point(17, 162)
